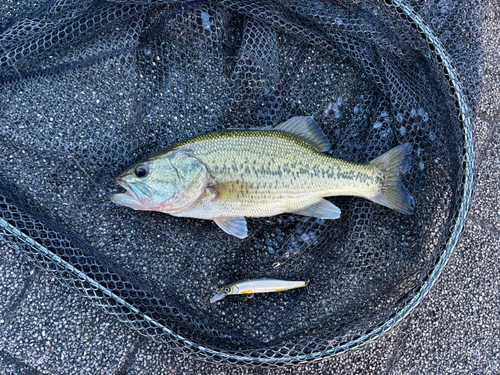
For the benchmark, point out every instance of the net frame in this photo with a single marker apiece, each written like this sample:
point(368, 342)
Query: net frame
point(113, 299)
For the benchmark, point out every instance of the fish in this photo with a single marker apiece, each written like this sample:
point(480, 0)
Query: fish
point(232, 174)
point(262, 285)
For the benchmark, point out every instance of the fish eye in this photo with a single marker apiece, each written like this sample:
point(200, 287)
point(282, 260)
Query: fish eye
point(141, 171)
point(227, 290)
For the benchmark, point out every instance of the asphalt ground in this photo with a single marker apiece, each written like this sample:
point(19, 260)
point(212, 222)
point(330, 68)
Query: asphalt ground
point(47, 328)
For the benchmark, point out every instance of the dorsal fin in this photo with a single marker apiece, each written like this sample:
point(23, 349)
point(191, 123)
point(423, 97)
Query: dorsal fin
point(307, 129)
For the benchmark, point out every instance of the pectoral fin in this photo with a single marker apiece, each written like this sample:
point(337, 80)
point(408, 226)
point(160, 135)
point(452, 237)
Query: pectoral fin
point(235, 226)
point(231, 190)
point(321, 210)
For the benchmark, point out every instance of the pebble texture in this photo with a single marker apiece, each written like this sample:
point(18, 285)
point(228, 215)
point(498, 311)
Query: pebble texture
point(47, 329)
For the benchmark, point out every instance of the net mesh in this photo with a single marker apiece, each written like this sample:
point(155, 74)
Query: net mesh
point(90, 87)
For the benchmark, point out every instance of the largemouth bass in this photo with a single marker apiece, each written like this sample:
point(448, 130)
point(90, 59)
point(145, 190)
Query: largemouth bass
point(256, 286)
point(232, 174)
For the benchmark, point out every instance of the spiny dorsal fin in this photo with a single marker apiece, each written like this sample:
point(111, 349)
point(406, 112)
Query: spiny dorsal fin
point(307, 129)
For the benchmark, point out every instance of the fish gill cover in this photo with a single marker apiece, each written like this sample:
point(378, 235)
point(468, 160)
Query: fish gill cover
point(91, 87)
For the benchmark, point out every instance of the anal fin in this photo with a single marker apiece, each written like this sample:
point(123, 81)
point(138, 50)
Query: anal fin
point(321, 210)
point(235, 226)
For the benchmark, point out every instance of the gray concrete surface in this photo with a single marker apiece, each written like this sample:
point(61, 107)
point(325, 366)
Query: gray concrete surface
point(45, 328)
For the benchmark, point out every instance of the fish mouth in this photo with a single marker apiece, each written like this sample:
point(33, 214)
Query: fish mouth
point(132, 197)
point(130, 190)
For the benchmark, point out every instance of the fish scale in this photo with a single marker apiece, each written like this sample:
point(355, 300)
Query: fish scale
point(283, 173)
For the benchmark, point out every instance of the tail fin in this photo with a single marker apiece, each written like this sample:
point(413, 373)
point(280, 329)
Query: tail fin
point(393, 165)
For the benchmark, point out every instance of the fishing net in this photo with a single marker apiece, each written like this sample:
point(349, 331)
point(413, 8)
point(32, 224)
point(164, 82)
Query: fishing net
point(90, 87)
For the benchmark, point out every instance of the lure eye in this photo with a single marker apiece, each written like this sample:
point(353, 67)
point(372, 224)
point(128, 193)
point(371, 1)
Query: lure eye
point(141, 171)
point(227, 290)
